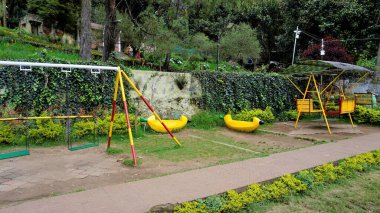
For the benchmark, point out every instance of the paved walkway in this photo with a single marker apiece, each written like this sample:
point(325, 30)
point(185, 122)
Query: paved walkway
point(139, 196)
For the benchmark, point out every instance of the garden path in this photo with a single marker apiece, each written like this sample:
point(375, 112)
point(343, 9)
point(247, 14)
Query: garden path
point(140, 196)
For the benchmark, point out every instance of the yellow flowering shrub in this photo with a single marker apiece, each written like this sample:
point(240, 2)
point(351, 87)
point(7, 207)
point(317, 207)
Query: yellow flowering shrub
point(190, 207)
point(326, 173)
point(286, 185)
point(235, 201)
point(277, 190)
point(294, 185)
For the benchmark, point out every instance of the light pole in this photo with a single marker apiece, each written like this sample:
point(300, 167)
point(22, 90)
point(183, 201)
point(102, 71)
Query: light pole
point(217, 53)
point(297, 35)
point(322, 49)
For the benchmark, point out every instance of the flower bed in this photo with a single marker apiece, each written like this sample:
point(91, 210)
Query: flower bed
point(287, 185)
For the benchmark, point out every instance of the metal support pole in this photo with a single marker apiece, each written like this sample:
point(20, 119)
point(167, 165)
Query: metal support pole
point(150, 107)
point(116, 89)
point(127, 119)
point(71, 66)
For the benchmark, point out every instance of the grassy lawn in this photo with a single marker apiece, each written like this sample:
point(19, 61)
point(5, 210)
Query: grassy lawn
point(17, 51)
point(199, 145)
point(360, 194)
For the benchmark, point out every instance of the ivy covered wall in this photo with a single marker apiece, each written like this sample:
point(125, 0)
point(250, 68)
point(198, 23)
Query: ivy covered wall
point(49, 89)
point(236, 91)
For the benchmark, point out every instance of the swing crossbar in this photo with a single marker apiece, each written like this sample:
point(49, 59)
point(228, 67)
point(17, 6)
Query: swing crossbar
point(68, 66)
point(14, 154)
point(46, 117)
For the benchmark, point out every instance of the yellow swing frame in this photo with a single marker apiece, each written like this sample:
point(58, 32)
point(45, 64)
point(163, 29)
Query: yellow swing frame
point(306, 105)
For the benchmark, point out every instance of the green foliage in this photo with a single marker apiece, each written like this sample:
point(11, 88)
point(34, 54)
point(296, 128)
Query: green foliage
point(294, 185)
point(367, 115)
point(119, 126)
point(46, 130)
point(84, 127)
point(50, 89)
point(9, 36)
point(235, 46)
point(290, 115)
point(206, 120)
point(203, 44)
point(64, 14)
point(213, 203)
point(234, 201)
point(363, 61)
point(288, 184)
point(190, 207)
point(264, 115)
point(307, 178)
point(326, 173)
point(237, 91)
point(277, 190)
point(6, 134)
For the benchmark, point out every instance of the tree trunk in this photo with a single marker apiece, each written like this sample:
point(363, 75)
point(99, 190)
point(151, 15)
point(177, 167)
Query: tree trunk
point(4, 13)
point(109, 29)
point(85, 38)
point(167, 61)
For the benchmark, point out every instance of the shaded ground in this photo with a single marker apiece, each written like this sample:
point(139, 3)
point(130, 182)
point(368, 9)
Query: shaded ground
point(55, 171)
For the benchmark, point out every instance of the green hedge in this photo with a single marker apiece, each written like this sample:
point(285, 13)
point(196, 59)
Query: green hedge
point(287, 185)
point(365, 115)
point(237, 91)
point(44, 89)
point(50, 130)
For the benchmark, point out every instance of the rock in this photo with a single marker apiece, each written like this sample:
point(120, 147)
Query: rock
point(168, 207)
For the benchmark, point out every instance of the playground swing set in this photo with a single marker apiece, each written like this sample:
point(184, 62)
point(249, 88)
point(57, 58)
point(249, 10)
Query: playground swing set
point(67, 68)
point(319, 99)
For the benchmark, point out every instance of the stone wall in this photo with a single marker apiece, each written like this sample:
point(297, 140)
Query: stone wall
point(163, 93)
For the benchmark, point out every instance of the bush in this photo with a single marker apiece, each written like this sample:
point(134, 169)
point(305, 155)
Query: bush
point(6, 134)
point(84, 127)
point(119, 126)
point(247, 115)
point(46, 130)
point(367, 115)
point(190, 207)
point(213, 203)
point(290, 115)
point(206, 120)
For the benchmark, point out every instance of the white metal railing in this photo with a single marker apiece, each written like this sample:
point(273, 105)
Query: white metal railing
point(28, 66)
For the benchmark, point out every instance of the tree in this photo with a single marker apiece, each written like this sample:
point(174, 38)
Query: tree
point(334, 49)
point(15, 9)
point(203, 44)
point(3, 12)
point(85, 38)
point(109, 29)
point(163, 40)
point(240, 43)
point(62, 14)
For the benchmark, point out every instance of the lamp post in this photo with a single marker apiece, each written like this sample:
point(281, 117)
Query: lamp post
point(217, 53)
point(322, 49)
point(297, 36)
